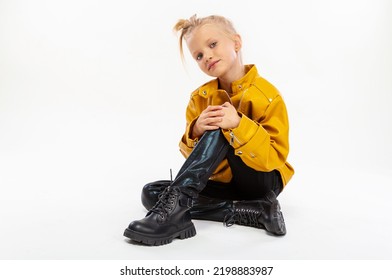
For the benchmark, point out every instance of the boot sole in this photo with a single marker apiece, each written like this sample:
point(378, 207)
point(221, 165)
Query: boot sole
point(278, 224)
point(157, 241)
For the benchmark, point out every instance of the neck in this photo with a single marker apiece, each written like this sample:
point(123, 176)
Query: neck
point(234, 75)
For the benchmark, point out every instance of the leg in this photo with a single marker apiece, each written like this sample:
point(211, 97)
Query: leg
point(170, 217)
point(256, 192)
point(205, 207)
point(202, 162)
point(252, 184)
point(260, 207)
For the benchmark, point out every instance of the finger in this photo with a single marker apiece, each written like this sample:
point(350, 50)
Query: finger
point(218, 113)
point(211, 108)
point(211, 127)
point(226, 104)
point(214, 119)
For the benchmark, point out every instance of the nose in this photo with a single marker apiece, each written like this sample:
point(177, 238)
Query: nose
point(208, 59)
point(208, 56)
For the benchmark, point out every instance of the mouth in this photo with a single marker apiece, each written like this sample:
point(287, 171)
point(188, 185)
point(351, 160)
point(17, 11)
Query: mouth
point(211, 65)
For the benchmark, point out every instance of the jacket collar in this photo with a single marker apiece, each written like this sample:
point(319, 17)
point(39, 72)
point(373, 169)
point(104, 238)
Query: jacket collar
point(236, 87)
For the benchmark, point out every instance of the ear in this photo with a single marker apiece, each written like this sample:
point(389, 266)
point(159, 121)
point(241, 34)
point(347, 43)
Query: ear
point(237, 42)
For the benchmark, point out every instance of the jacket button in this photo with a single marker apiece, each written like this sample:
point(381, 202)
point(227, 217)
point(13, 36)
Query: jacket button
point(204, 92)
point(239, 153)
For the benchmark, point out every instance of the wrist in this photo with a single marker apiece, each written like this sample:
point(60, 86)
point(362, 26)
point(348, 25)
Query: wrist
point(195, 132)
point(237, 121)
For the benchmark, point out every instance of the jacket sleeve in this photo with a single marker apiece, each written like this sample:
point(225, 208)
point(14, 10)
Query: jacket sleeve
point(262, 144)
point(187, 142)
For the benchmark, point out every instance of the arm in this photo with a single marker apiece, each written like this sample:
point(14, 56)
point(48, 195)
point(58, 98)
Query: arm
point(262, 144)
point(188, 141)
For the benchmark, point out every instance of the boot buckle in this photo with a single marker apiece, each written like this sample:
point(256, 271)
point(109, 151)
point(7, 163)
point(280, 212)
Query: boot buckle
point(186, 201)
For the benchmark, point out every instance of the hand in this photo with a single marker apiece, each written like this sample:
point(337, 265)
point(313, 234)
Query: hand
point(231, 119)
point(214, 117)
point(208, 120)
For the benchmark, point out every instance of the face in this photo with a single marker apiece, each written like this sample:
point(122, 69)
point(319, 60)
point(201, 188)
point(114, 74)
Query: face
point(214, 51)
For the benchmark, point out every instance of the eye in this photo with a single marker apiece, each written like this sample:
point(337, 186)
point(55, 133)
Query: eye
point(213, 45)
point(199, 56)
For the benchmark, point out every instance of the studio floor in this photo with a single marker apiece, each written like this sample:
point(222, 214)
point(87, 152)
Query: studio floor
point(325, 221)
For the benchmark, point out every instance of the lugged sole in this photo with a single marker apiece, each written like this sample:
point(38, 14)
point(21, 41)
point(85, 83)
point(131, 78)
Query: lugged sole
point(188, 232)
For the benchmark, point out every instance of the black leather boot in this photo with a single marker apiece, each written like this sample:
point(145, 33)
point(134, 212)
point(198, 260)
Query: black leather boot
point(168, 219)
point(264, 213)
point(204, 208)
point(151, 192)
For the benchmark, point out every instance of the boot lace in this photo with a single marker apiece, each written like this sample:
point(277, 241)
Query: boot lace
point(243, 216)
point(165, 203)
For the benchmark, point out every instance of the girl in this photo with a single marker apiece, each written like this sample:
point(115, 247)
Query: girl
point(236, 145)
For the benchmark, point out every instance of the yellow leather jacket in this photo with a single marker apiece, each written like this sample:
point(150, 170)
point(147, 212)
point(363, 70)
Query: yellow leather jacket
point(262, 137)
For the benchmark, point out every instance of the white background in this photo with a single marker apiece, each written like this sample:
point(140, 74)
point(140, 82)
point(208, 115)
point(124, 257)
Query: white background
point(92, 107)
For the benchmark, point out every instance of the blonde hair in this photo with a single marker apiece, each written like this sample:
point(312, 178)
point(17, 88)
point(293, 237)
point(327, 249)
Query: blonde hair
point(186, 26)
